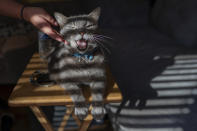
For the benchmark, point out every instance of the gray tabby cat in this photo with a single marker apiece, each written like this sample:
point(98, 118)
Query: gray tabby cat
point(80, 63)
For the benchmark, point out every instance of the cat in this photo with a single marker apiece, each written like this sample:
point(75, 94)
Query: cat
point(80, 63)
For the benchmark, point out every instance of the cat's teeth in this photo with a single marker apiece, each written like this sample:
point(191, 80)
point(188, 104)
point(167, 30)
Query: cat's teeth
point(82, 44)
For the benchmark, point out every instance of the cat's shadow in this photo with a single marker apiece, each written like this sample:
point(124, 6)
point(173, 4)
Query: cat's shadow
point(141, 90)
point(134, 65)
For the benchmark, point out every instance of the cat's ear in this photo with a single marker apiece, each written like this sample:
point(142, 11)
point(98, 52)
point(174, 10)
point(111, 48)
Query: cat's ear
point(95, 13)
point(60, 18)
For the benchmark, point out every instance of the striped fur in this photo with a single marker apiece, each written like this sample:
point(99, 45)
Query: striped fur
point(72, 72)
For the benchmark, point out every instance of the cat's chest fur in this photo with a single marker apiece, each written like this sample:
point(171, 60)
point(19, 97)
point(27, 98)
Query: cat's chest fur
point(64, 66)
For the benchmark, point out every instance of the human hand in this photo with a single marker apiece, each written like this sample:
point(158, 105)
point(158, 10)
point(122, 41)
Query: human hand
point(43, 21)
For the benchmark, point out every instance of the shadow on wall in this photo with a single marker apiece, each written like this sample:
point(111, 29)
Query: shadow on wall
point(174, 108)
point(158, 82)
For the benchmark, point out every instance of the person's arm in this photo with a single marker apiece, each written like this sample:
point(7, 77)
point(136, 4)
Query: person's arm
point(10, 8)
point(35, 15)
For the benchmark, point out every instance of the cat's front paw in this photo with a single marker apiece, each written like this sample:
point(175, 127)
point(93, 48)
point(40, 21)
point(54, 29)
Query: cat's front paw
point(98, 112)
point(81, 112)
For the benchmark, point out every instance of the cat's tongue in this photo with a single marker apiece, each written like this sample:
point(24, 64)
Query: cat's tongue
point(82, 44)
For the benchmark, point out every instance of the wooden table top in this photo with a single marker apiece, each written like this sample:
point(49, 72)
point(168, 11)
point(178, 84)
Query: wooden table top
point(26, 94)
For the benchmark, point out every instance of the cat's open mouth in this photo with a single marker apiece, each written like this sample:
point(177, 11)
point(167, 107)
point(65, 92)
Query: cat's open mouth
point(82, 44)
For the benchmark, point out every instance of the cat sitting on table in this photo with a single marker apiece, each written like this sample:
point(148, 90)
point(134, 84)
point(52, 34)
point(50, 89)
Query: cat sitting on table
point(80, 62)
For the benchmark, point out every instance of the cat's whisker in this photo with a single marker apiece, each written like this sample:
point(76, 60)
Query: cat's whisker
point(103, 36)
point(103, 52)
point(100, 37)
point(103, 46)
point(106, 49)
point(103, 40)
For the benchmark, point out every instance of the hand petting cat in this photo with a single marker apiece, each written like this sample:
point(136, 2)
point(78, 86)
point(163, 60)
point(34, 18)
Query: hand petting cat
point(43, 21)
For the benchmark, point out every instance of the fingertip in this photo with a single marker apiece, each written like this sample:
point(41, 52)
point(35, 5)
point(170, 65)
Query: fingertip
point(55, 23)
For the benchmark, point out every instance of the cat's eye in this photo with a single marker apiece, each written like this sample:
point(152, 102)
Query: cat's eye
point(90, 25)
point(71, 27)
